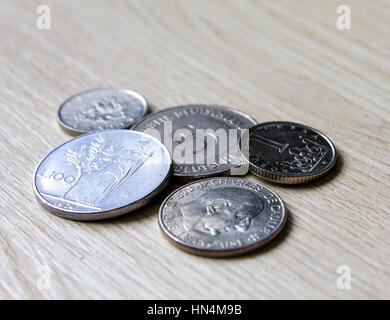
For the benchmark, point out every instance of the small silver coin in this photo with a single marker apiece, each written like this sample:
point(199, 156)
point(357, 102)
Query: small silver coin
point(208, 156)
point(290, 153)
point(102, 174)
point(101, 109)
point(222, 216)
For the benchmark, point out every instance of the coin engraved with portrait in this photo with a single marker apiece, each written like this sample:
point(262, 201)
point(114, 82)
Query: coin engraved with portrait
point(221, 210)
point(222, 216)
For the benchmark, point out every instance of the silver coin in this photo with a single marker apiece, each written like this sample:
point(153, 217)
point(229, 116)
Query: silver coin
point(186, 121)
point(222, 216)
point(102, 174)
point(101, 109)
point(291, 153)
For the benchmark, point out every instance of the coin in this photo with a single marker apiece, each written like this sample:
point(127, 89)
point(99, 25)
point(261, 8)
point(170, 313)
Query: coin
point(179, 128)
point(290, 153)
point(102, 174)
point(101, 109)
point(222, 216)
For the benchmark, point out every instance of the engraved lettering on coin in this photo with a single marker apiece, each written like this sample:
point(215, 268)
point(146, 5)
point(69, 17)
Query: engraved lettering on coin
point(101, 109)
point(186, 121)
point(102, 174)
point(222, 216)
point(287, 152)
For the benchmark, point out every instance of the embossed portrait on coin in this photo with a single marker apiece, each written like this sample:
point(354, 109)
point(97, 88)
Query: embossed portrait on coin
point(221, 210)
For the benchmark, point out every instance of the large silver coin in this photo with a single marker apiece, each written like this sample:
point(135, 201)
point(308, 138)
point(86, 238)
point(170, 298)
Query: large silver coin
point(102, 174)
point(287, 152)
point(101, 109)
point(222, 216)
point(180, 125)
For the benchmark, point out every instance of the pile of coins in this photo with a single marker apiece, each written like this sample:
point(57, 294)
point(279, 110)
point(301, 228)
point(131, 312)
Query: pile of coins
point(121, 159)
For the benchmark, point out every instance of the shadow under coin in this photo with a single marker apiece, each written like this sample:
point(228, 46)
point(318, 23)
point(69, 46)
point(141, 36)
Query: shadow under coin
point(145, 211)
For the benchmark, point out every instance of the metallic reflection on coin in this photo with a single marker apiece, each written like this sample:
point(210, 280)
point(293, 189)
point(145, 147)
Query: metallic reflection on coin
point(102, 174)
point(291, 153)
point(101, 109)
point(222, 216)
point(187, 120)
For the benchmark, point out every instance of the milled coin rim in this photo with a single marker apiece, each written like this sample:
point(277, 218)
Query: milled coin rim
point(193, 176)
point(100, 215)
point(75, 132)
point(290, 178)
point(219, 253)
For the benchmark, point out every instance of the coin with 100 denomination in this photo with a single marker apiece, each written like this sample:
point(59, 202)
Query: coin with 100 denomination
point(102, 174)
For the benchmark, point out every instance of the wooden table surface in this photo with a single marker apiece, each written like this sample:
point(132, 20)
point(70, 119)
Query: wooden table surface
point(275, 60)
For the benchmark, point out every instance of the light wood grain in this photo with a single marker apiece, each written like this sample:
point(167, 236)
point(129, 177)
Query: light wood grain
point(276, 60)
